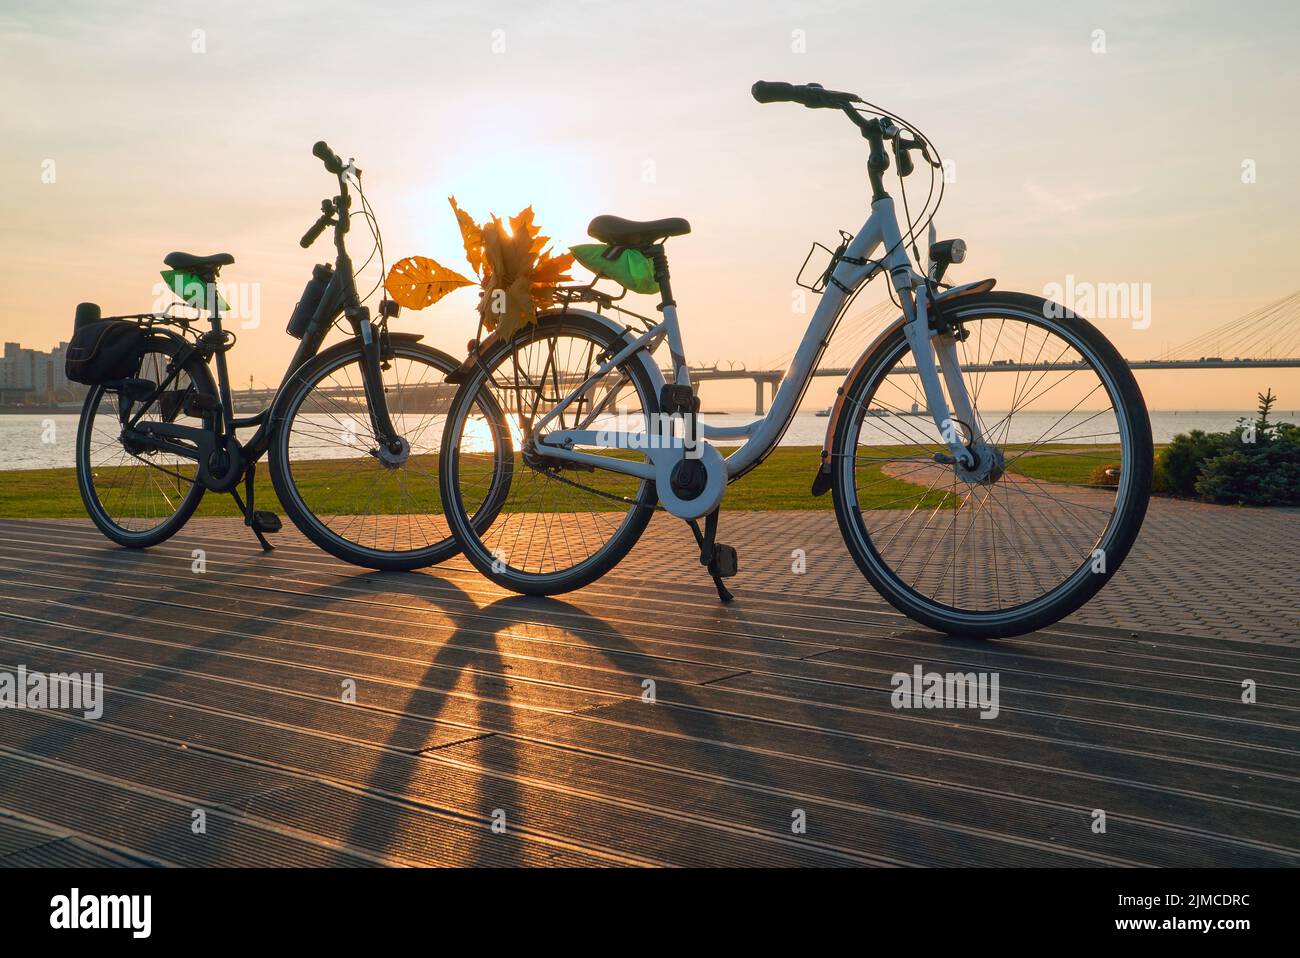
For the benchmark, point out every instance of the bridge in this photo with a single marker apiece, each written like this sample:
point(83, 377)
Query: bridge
point(1265, 338)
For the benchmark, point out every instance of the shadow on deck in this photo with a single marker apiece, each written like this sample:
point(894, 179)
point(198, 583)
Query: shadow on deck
point(489, 729)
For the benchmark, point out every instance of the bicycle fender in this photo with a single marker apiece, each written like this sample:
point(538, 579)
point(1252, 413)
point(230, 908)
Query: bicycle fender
point(822, 481)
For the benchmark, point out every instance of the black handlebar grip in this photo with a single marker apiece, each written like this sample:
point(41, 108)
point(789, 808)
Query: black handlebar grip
point(312, 234)
point(332, 163)
point(767, 91)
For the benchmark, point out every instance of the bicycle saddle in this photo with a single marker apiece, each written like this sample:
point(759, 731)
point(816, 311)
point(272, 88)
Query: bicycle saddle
point(621, 232)
point(198, 263)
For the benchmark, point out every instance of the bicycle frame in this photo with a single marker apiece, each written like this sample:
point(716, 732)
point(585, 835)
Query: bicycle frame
point(163, 435)
point(338, 299)
point(854, 268)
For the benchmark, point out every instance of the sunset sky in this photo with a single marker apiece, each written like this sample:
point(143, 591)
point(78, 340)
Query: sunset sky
point(1117, 166)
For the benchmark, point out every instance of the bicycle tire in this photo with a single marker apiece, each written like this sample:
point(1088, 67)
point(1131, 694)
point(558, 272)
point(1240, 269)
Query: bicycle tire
point(1119, 535)
point(87, 471)
point(470, 538)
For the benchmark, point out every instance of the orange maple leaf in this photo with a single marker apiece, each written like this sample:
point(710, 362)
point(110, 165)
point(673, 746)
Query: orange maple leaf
point(417, 282)
point(471, 235)
point(516, 270)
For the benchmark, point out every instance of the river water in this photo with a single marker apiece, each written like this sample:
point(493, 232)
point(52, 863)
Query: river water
point(43, 441)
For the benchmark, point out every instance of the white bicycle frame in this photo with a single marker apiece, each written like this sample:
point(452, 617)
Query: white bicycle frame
point(856, 267)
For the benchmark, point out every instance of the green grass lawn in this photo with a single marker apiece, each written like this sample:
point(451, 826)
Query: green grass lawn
point(1080, 467)
point(783, 481)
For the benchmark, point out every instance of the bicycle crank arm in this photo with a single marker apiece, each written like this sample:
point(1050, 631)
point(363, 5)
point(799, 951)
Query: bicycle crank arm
point(665, 454)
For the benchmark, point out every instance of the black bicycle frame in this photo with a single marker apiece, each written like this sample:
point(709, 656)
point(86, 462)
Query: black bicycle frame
point(339, 298)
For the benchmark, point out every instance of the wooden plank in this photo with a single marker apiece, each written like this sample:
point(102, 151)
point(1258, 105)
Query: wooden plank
point(225, 690)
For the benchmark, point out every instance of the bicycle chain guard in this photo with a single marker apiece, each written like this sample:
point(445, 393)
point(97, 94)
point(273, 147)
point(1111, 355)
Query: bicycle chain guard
point(666, 460)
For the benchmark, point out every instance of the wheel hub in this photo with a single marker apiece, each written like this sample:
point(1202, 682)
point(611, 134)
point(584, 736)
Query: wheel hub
point(135, 447)
point(990, 463)
point(395, 454)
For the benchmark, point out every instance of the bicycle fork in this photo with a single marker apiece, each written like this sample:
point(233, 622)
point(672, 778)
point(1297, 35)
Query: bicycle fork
point(935, 354)
point(392, 449)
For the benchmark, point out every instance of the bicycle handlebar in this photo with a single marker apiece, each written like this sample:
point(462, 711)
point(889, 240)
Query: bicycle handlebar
point(317, 228)
point(338, 207)
point(331, 160)
point(875, 131)
point(811, 95)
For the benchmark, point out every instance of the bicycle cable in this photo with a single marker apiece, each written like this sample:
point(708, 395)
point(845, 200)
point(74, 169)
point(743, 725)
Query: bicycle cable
point(922, 221)
point(372, 222)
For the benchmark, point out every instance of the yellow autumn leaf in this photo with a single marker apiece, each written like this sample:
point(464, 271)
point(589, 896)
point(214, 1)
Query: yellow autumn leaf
point(553, 270)
point(417, 282)
point(516, 270)
point(471, 235)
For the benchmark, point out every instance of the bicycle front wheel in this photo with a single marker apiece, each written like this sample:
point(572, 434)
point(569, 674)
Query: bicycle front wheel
point(1019, 542)
point(355, 500)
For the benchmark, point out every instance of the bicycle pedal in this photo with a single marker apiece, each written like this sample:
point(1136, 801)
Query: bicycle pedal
point(724, 562)
point(265, 521)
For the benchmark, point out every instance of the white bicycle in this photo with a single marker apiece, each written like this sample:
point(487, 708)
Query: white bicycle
point(989, 453)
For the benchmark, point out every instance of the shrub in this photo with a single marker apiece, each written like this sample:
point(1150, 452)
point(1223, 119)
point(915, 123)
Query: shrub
point(1257, 463)
point(1265, 474)
point(1179, 464)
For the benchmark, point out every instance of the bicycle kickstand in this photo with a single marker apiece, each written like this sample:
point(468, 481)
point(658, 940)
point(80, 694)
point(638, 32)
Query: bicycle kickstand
point(720, 559)
point(261, 522)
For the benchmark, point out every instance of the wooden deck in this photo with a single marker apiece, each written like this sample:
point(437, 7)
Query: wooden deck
point(474, 706)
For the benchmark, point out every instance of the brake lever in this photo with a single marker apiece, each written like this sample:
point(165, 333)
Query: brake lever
point(905, 143)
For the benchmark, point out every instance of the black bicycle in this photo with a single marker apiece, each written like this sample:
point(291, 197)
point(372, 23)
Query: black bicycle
point(351, 434)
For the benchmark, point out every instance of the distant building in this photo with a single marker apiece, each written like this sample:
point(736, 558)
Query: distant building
point(34, 378)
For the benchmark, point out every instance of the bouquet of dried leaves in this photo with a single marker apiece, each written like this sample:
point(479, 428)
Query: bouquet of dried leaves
point(517, 271)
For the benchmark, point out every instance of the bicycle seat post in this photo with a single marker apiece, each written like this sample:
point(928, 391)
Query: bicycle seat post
point(216, 337)
point(677, 397)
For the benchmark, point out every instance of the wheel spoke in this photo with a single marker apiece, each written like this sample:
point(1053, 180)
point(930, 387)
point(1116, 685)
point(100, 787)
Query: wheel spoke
point(1016, 534)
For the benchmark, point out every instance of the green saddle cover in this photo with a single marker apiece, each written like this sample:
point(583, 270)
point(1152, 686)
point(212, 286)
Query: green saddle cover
point(631, 268)
point(192, 289)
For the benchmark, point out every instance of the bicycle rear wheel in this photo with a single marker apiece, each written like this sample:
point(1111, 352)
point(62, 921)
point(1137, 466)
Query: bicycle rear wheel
point(135, 495)
point(1034, 537)
point(560, 526)
point(346, 494)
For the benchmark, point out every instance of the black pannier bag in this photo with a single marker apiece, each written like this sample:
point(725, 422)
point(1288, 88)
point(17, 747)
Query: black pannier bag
point(104, 351)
